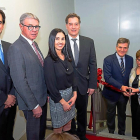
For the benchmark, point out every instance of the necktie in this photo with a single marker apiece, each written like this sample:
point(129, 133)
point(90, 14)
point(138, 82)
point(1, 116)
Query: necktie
point(38, 54)
point(76, 51)
point(122, 67)
point(1, 54)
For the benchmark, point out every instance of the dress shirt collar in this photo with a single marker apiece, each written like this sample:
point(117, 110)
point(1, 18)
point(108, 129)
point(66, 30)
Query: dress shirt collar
point(29, 41)
point(73, 38)
point(120, 57)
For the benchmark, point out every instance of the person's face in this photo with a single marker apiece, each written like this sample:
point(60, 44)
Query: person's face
point(138, 61)
point(73, 27)
point(26, 32)
point(59, 41)
point(122, 49)
point(1, 24)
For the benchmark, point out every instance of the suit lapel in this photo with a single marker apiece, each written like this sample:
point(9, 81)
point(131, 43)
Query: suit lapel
point(2, 66)
point(30, 50)
point(5, 57)
point(126, 64)
point(5, 65)
point(81, 48)
point(116, 62)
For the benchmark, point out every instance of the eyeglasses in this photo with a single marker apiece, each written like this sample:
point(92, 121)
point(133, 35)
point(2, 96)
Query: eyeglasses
point(30, 27)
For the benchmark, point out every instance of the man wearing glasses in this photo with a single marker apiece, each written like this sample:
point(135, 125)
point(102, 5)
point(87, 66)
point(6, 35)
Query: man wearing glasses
point(26, 68)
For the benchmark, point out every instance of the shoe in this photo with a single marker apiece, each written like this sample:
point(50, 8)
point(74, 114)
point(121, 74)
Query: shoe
point(83, 138)
point(110, 131)
point(121, 133)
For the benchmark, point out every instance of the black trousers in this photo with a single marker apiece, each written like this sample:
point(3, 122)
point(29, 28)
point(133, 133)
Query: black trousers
point(7, 120)
point(135, 110)
point(111, 113)
point(81, 106)
point(35, 127)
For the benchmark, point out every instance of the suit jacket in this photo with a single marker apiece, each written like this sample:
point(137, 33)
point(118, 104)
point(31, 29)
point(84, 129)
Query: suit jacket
point(5, 80)
point(86, 69)
point(113, 75)
point(27, 75)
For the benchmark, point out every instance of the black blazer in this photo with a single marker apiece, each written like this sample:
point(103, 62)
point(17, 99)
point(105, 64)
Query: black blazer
point(5, 80)
point(86, 69)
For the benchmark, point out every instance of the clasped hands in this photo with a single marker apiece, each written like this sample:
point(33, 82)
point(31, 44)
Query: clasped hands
point(129, 91)
point(11, 100)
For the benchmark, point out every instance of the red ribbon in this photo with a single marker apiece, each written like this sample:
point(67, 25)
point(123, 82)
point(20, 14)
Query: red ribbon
point(99, 80)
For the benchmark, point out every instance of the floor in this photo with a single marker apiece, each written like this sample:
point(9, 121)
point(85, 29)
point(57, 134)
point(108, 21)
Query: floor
point(128, 128)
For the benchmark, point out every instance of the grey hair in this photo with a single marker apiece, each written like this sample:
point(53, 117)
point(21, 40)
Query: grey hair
point(28, 15)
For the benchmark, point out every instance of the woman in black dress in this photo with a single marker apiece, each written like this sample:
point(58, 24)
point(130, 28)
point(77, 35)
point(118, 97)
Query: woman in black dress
point(134, 82)
point(61, 84)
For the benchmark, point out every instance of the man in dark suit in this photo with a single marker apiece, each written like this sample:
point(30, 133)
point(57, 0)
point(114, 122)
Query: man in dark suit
point(82, 52)
point(7, 98)
point(26, 68)
point(116, 70)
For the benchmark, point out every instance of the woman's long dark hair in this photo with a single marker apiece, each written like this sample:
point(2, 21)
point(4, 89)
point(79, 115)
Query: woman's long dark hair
point(52, 51)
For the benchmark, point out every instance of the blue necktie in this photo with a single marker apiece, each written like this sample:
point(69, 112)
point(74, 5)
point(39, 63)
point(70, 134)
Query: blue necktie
point(1, 54)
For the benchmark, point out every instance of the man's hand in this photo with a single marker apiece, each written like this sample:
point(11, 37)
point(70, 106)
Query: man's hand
point(90, 91)
point(125, 93)
point(11, 99)
point(37, 112)
point(6, 106)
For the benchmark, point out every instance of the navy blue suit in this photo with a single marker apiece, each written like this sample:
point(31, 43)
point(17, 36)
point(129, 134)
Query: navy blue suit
point(113, 76)
point(7, 116)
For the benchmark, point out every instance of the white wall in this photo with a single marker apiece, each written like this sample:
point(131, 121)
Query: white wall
point(51, 13)
point(107, 20)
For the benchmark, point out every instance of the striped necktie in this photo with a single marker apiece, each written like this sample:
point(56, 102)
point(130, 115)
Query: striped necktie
point(38, 54)
point(1, 54)
point(122, 67)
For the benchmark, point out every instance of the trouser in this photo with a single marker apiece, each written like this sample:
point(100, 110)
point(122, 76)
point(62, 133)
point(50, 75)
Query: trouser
point(35, 127)
point(111, 113)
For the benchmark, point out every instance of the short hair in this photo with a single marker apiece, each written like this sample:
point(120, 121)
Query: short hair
point(28, 15)
point(137, 54)
point(123, 40)
point(51, 43)
point(3, 16)
point(62, 136)
point(72, 15)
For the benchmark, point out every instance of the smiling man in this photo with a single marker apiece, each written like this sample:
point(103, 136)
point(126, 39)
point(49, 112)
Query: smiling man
point(26, 68)
point(116, 70)
point(82, 52)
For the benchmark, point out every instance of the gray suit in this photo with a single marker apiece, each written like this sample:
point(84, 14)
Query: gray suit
point(27, 75)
